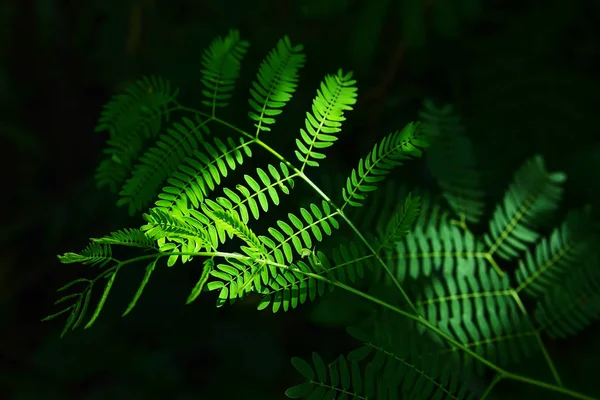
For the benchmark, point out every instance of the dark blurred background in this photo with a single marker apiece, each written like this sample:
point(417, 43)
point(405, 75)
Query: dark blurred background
point(524, 74)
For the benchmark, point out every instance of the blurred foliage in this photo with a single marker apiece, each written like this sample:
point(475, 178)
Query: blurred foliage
point(523, 73)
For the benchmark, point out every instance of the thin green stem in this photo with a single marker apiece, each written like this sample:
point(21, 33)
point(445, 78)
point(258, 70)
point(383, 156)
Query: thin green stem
point(491, 386)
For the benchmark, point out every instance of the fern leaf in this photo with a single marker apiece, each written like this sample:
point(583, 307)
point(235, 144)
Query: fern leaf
point(533, 195)
point(174, 234)
point(159, 162)
point(93, 254)
point(555, 257)
point(208, 267)
point(110, 280)
point(407, 365)
point(386, 155)
point(130, 118)
point(423, 253)
point(401, 222)
point(201, 174)
point(143, 283)
point(276, 83)
point(249, 200)
point(573, 305)
point(127, 237)
point(452, 162)
point(221, 68)
point(336, 95)
point(476, 307)
point(343, 378)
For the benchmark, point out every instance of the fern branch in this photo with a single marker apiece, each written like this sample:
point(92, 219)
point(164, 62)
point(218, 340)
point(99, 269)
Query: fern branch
point(277, 81)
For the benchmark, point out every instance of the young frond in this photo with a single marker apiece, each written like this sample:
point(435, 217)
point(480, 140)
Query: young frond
point(452, 162)
point(127, 237)
point(475, 306)
point(557, 256)
point(572, 305)
point(221, 68)
point(94, 254)
point(533, 195)
point(336, 95)
point(159, 162)
point(201, 174)
point(386, 155)
point(130, 118)
point(276, 82)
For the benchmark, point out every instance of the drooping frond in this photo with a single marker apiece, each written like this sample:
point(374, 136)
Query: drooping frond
point(573, 304)
point(557, 256)
point(452, 162)
point(160, 161)
point(276, 83)
point(386, 155)
point(78, 310)
point(533, 195)
point(130, 118)
point(476, 307)
point(201, 174)
point(336, 95)
point(221, 68)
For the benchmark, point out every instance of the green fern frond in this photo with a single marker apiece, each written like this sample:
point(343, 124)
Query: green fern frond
point(94, 254)
point(221, 68)
point(401, 222)
point(231, 223)
point(557, 256)
point(280, 286)
point(249, 200)
point(533, 195)
point(402, 366)
point(433, 215)
point(572, 305)
point(336, 95)
point(159, 162)
point(127, 237)
point(174, 234)
point(130, 118)
point(342, 379)
point(200, 174)
point(385, 156)
point(140, 290)
point(452, 162)
point(475, 306)
point(276, 83)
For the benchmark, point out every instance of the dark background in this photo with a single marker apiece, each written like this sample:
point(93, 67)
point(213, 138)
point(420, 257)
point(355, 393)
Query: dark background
point(524, 75)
